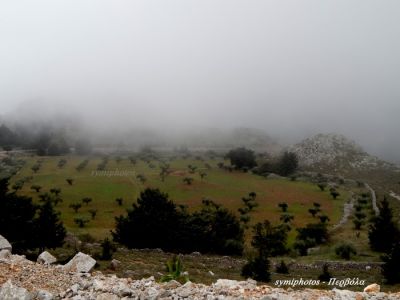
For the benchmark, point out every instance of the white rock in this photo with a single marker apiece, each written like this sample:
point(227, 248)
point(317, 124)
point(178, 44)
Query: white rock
point(372, 288)
point(226, 284)
point(46, 258)
point(107, 296)
point(4, 244)
point(5, 254)
point(44, 295)
point(114, 264)
point(80, 263)
point(12, 292)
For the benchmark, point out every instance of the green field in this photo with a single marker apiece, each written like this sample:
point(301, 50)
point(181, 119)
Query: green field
point(220, 185)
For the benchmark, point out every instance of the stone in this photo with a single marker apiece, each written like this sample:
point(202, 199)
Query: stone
point(211, 273)
point(11, 292)
point(372, 288)
point(80, 263)
point(172, 284)
point(114, 264)
point(4, 244)
point(5, 254)
point(226, 284)
point(46, 258)
point(344, 294)
point(107, 296)
point(44, 295)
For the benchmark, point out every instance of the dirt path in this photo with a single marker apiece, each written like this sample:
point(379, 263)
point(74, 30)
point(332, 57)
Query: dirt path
point(373, 197)
point(347, 211)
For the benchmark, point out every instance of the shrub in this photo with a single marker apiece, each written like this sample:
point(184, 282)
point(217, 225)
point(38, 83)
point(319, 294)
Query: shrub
point(383, 231)
point(81, 222)
point(390, 268)
point(157, 222)
point(107, 249)
point(345, 251)
point(282, 268)
point(242, 158)
point(257, 268)
point(174, 269)
point(325, 275)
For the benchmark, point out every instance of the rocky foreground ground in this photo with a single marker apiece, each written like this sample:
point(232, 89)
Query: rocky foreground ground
point(24, 279)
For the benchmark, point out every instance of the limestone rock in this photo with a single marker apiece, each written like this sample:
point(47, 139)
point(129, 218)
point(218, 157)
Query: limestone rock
point(4, 244)
point(80, 263)
point(5, 254)
point(114, 264)
point(44, 295)
point(372, 288)
point(12, 292)
point(46, 258)
point(107, 296)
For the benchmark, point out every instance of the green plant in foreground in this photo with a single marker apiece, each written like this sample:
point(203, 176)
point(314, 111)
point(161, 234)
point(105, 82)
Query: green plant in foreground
point(174, 269)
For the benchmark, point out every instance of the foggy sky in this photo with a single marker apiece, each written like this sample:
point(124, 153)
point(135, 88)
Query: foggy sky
point(291, 68)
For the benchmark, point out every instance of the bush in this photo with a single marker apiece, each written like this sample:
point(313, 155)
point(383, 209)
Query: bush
point(390, 269)
point(156, 222)
point(242, 158)
point(269, 240)
point(257, 269)
point(325, 275)
point(107, 249)
point(174, 269)
point(282, 268)
point(383, 231)
point(345, 251)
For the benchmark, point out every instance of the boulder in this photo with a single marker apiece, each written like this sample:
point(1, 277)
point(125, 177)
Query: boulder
point(107, 296)
point(372, 288)
point(12, 292)
point(226, 284)
point(44, 295)
point(80, 263)
point(4, 244)
point(114, 264)
point(46, 258)
point(5, 254)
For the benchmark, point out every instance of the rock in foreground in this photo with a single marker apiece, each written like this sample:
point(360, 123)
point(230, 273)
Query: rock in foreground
point(4, 244)
point(81, 263)
point(23, 279)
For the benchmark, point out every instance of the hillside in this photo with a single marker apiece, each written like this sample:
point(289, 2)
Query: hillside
point(336, 153)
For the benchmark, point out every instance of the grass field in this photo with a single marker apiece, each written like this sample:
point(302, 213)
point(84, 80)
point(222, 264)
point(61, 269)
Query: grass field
point(222, 186)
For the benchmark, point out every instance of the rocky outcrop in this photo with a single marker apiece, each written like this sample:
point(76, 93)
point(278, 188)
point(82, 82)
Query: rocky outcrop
point(335, 152)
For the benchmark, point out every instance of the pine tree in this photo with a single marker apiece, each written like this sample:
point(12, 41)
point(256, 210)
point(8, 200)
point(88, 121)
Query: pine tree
point(383, 231)
point(390, 269)
point(50, 231)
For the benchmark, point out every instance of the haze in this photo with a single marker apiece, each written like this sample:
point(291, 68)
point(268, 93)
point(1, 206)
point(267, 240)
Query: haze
point(290, 68)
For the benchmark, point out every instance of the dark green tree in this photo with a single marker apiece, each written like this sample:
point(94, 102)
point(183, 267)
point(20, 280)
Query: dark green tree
point(153, 222)
point(390, 268)
point(383, 231)
point(242, 158)
point(287, 164)
point(17, 214)
point(50, 231)
point(269, 240)
point(257, 268)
